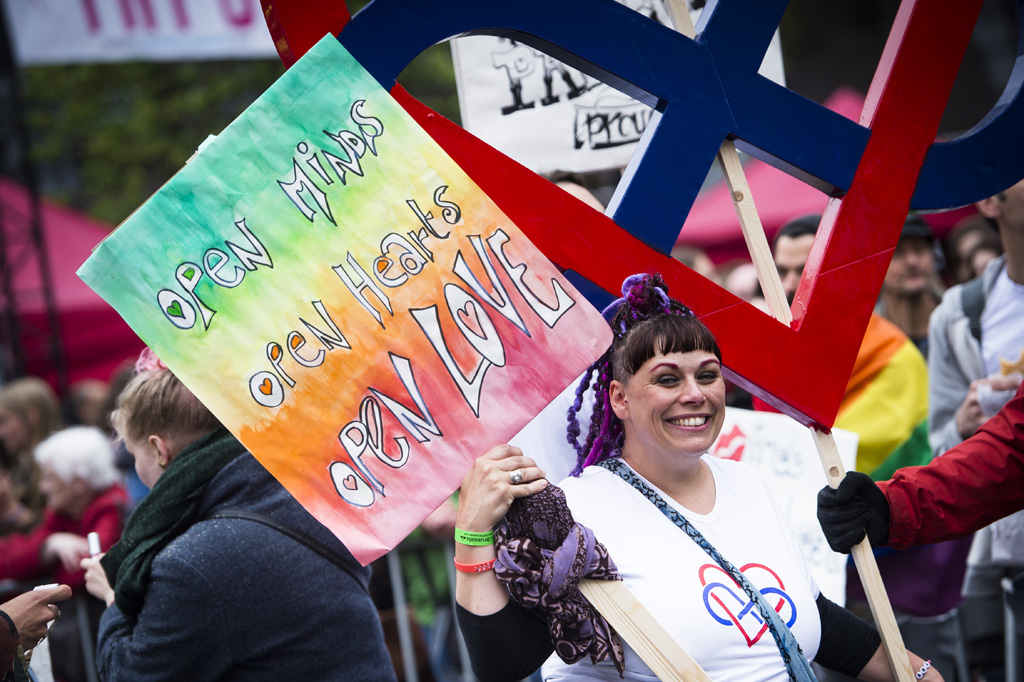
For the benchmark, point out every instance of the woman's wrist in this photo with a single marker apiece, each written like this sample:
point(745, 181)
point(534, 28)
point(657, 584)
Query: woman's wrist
point(473, 538)
point(473, 523)
point(471, 554)
point(474, 546)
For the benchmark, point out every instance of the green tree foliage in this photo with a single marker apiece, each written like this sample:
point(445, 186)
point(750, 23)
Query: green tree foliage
point(106, 136)
point(430, 78)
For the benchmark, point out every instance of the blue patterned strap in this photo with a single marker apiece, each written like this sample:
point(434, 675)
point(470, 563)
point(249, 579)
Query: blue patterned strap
point(796, 663)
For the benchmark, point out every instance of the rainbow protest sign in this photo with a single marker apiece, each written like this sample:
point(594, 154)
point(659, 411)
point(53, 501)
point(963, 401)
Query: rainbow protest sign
point(347, 301)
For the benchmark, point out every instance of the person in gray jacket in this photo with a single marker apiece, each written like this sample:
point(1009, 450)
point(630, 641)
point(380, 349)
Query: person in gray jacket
point(220, 574)
point(956, 370)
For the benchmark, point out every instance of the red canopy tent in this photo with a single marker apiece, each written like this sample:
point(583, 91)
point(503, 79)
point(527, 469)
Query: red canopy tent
point(713, 227)
point(95, 338)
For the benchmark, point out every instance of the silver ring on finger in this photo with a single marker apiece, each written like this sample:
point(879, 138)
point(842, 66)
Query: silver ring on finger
point(515, 477)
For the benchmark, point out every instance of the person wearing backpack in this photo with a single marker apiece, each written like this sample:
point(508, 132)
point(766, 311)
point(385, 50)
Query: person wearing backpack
point(977, 335)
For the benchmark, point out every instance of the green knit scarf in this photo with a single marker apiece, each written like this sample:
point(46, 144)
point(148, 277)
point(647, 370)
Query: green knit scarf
point(165, 513)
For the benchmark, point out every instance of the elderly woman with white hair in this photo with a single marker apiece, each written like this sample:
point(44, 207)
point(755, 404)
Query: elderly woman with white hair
point(83, 494)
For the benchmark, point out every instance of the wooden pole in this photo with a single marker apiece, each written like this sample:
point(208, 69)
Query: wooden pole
point(867, 569)
point(771, 285)
point(641, 631)
point(746, 211)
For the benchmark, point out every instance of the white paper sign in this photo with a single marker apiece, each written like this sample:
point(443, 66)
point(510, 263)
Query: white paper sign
point(74, 31)
point(41, 665)
point(548, 116)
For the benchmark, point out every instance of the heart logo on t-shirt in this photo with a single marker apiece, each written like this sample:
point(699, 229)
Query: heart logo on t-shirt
point(728, 604)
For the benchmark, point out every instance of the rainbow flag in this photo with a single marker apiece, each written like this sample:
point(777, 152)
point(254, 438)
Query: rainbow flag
point(886, 402)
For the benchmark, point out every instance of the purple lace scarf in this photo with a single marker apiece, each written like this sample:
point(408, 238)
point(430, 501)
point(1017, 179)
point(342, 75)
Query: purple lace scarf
point(542, 555)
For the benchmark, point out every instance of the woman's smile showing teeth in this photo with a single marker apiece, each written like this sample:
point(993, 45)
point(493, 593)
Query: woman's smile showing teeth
point(688, 421)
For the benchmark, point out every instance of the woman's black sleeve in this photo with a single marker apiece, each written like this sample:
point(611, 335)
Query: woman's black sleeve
point(847, 642)
point(508, 645)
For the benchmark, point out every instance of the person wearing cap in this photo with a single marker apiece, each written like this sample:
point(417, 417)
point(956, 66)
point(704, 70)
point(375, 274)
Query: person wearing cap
point(911, 290)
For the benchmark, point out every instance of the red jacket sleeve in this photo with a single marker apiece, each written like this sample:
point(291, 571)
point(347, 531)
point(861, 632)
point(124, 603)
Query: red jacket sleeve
point(104, 515)
point(970, 486)
point(19, 554)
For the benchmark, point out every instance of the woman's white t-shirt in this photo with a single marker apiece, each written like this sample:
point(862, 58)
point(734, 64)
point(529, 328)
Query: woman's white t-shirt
point(682, 586)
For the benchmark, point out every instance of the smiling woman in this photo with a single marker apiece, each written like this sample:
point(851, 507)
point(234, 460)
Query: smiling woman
point(672, 410)
point(712, 558)
point(671, 403)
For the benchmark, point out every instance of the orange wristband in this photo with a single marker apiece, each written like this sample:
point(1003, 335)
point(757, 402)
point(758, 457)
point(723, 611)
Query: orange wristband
point(474, 568)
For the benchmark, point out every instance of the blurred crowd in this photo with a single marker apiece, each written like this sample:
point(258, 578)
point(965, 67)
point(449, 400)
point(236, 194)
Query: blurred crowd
point(60, 480)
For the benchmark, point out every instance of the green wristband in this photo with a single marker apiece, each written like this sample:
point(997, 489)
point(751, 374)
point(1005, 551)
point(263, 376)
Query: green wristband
point(465, 537)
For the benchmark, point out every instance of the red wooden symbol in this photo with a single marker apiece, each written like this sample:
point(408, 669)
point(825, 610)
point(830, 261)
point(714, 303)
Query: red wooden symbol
point(802, 370)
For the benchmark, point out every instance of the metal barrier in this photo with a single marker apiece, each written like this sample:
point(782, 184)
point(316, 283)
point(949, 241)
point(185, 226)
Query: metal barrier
point(1013, 592)
point(445, 624)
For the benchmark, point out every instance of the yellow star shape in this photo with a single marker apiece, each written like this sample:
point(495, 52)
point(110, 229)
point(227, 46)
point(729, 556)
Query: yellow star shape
point(1007, 368)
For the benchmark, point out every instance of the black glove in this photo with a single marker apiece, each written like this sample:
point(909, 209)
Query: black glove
point(856, 507)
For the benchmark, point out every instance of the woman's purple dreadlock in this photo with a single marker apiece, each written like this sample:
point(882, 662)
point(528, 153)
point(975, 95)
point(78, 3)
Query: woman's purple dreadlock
point(643, 296)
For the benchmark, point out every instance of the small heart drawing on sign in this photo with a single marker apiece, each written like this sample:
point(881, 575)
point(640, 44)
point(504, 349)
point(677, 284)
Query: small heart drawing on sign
point(350, 482)
point(190, 273)
point(174, 310)
point(295, 342)
point(266, 387)
point(469, 314)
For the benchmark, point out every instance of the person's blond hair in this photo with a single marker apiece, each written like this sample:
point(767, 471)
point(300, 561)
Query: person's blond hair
point(155, 402)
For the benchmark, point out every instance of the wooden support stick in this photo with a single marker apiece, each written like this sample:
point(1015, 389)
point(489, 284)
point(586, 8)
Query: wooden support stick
point(642, 631)
point(750, 221)
point(867, 568)
point(753, 234)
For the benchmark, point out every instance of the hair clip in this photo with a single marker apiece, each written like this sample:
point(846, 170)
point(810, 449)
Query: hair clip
point(148, 362)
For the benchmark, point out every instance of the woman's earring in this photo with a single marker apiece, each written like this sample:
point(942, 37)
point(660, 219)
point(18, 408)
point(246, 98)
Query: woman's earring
point(162, 464)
